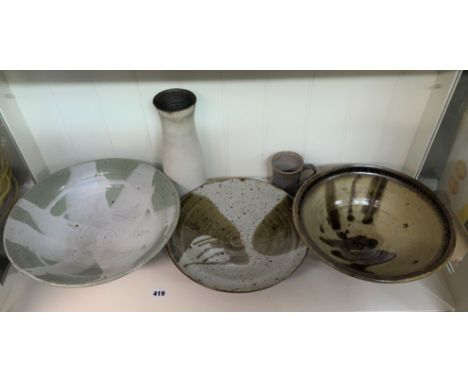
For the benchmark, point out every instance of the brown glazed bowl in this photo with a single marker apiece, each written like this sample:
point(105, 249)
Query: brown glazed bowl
point(374, 223)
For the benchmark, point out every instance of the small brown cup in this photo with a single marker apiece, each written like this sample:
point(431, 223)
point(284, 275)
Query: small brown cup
point(289, 171)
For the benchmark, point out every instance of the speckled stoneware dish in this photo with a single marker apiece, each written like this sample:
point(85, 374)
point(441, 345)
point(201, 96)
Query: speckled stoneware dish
point(92, 223)
point(374, 223)
point(236, 235)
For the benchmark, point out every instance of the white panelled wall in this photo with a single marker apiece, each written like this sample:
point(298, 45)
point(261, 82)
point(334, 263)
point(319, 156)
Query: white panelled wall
point(242, 117)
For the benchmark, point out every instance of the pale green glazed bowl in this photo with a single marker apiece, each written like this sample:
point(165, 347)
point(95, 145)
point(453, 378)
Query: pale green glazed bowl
point(92, 223)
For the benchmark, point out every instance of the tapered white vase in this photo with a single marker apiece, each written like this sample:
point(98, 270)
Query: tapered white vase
point(182, 153)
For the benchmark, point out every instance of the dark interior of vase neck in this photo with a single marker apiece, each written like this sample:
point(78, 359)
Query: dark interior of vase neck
point(174, 100)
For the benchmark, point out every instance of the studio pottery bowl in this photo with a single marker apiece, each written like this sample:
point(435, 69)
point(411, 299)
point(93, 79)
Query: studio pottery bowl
point(374, 223)
point(92, 223)
point(236, 235)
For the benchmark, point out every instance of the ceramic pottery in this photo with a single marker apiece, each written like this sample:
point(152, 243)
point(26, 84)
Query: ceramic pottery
point(374, 223)
point(182, 153)
point(92, 223)
point(289, 171)
point(9, 190)
point(236, 235)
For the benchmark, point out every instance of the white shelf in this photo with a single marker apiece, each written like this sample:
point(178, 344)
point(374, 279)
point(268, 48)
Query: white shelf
point(313, 287)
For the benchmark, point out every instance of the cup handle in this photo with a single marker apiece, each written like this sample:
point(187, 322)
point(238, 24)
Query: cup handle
point(308, 171)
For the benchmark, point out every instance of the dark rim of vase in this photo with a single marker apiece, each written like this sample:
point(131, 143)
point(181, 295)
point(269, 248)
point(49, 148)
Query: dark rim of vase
point(174, 100)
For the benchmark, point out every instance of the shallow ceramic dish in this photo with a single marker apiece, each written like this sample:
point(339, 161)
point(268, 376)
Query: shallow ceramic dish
point(92, 223)
point(374, 223)
point(236, 235)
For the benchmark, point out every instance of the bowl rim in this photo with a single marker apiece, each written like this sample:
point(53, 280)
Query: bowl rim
point(104, 279)
point(394, 176)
